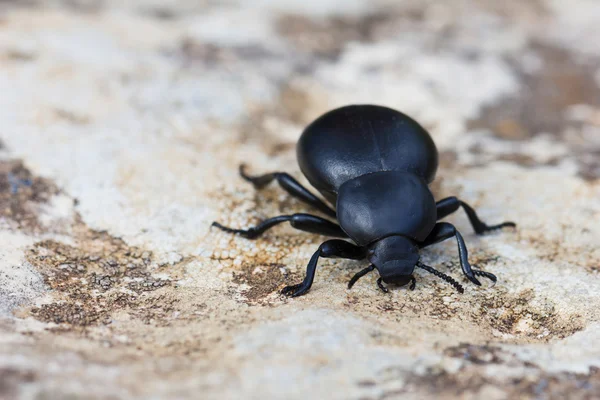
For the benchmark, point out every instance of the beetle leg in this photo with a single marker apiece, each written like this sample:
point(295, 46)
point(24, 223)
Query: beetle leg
point(329, 249)
point(443, 231)
point(290, 185)
point(413, 283)
point(449, 205)
point(381, 286)
point(303, 222)
point(359, 275)
point(486, 274)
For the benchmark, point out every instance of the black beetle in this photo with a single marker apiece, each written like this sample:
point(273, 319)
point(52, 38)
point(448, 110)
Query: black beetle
point(374, 164)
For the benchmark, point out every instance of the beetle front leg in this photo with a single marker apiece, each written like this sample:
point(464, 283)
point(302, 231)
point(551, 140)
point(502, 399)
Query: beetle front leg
point(443, 231)
point(329, 249)
point(449, 205)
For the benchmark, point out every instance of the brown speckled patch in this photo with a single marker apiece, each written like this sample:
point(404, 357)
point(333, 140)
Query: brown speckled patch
point(22, 194)
point(160, 13)
point(522, 317)
point(541, 385)
point(562, 81)
point(481, 354)
point(192, 52)
point(556, 250)
point(11, 379)
point(263, 280)
point(530, 382)
point(326, 38)
point(94, 278)
point(71, 117)
point(589, 167)
point(73, 314)
point(18, 55)
point(518, 314)
point(294, 105)
point(529, 10)
point(82, 6)
point(5, 4)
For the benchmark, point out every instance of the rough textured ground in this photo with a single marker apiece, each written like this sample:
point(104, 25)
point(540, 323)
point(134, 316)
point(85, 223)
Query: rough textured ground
point(122, 126)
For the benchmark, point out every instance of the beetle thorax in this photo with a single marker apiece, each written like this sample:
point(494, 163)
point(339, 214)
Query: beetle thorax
point(386, 203)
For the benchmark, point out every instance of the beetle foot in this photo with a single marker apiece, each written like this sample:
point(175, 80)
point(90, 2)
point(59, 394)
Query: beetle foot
point(380, 285)
point(259, 182)
point(413, 283)
point(486, 274)
point(247, 233)
point(359, 275)
point(473, 279)
point(483, 228)
point(295, 290)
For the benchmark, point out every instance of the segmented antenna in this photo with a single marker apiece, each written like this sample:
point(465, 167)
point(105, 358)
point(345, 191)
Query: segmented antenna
point(439, 274)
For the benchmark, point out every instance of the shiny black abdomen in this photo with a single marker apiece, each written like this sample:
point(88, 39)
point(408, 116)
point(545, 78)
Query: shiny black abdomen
point(351, 141)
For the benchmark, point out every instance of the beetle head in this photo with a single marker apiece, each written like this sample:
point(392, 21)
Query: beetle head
point(395, 258)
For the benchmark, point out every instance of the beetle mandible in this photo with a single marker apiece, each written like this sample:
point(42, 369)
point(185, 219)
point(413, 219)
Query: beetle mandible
point(374, 164)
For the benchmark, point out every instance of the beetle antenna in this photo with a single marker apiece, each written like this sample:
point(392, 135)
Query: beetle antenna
point(359, 275)
point(439, 274)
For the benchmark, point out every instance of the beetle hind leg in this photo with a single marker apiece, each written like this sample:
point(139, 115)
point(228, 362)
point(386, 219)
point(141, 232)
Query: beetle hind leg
point(450, 205)
point(290, 185)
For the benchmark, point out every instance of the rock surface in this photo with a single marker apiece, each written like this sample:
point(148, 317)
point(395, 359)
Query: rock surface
point(122, 126)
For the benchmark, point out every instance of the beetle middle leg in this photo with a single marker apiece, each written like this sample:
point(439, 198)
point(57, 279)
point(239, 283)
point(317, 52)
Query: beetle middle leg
point(449, 205)
point(303, 222)
point(290, 185)
point(445, 230)
point(328, 249)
